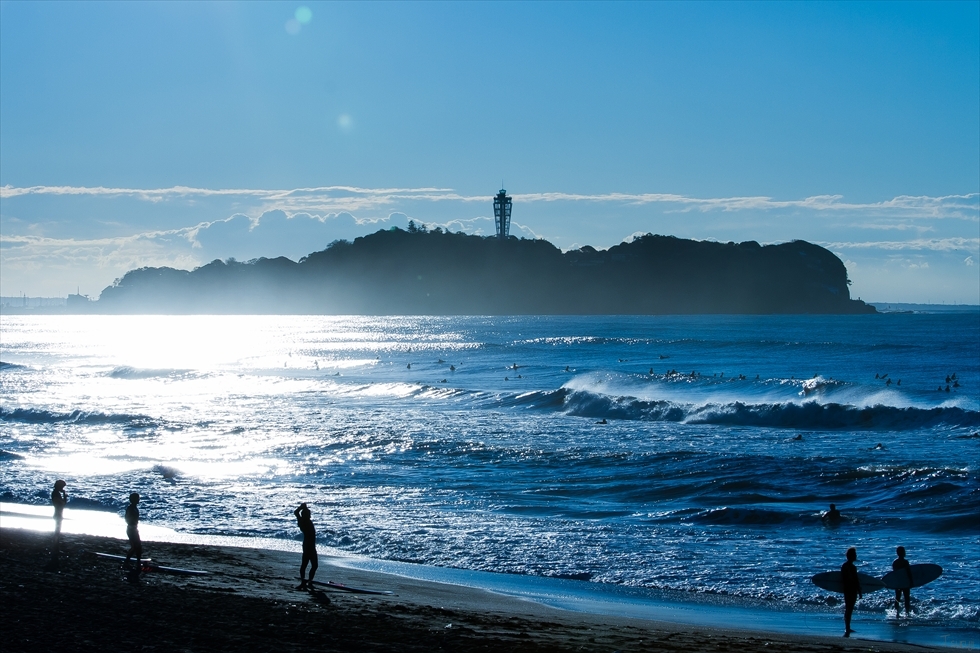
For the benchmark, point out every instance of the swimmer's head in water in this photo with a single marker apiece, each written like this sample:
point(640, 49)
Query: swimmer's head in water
point(852, 554)
point(134, 497)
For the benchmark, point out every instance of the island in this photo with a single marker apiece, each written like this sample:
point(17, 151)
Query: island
point(435, 272)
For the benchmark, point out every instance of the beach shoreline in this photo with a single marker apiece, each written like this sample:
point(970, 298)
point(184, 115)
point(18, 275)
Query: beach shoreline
point(248, 600)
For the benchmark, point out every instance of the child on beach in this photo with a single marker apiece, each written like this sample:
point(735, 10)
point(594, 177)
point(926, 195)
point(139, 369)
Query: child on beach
point(852, 588)
point(901, 563)
point(132, 529)
point(305, 522)
point(58, 499)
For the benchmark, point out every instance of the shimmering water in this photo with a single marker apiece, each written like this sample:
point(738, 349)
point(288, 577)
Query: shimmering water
point(711, 479)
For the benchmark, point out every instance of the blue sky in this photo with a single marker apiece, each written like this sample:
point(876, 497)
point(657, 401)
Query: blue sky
point(139, 134)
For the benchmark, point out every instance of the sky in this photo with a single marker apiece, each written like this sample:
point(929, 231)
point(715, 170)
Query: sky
point(173, 134)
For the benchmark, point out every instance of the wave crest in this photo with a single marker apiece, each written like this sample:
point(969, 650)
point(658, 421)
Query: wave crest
point(805, 415)
point(40, 416)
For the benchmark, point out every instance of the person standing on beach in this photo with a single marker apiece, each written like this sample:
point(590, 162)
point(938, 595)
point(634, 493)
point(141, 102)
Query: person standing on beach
point(901, 563)
point(852, 588)
point(305, 522)
point(58, 499)
point(132, 529)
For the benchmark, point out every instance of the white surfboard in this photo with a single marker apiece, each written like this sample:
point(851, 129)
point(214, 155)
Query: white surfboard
point(921, 574)
point(833, 581)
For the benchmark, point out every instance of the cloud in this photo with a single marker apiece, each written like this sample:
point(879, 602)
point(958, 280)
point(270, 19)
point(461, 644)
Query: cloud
point(932, 244)
point(894, 226)
point(61, 263)
point(969, 261)
point(327, 199)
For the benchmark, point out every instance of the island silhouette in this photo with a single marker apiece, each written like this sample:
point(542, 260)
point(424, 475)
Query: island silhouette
point(435, 272)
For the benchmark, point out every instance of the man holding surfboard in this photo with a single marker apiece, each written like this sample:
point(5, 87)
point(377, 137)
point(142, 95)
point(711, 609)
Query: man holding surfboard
point(852, 588)
point(904, 576)
point(901, 563)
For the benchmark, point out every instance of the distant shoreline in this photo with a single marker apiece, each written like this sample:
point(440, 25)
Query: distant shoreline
point(421, 272)
point(882, 307)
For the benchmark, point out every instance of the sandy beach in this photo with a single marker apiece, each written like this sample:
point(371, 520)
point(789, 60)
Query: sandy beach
point(248, 601)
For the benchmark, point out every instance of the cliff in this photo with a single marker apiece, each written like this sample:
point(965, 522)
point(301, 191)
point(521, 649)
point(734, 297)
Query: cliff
point(440, 273)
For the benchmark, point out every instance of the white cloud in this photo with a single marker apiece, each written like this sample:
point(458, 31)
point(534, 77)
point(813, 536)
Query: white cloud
point(969, 261)
point(350, 198)
point(894, 226)
point(932, 244)
point(633, 236)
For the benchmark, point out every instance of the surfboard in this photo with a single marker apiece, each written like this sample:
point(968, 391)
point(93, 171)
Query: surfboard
point(832, 581)
point(921, 574)
point(355, 590)
point(147, 565)
point(173, 570)
point(115, 557)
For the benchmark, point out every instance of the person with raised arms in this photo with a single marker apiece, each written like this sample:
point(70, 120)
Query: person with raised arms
point(305, 522)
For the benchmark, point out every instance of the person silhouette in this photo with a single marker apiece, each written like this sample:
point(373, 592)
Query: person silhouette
point(852, 588)
point(58, 499)
point(305, 522)
point(901, 563)
point(832, 516)
point(133, 531)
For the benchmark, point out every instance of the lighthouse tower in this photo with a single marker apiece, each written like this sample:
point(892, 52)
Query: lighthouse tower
point(501, 214)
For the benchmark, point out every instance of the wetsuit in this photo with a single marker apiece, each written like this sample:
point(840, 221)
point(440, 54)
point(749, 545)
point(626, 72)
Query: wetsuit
point(902, 563)
point(58, 500)
point(852, 588)
point(133, 533)
point(305, 524)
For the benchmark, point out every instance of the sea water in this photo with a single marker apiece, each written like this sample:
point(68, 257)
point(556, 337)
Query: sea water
point(688, 454)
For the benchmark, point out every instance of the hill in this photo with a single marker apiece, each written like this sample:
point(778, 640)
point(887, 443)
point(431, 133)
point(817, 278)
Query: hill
point(440, 273)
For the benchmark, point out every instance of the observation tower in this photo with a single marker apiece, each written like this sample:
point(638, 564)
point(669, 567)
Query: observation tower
point(501, 214)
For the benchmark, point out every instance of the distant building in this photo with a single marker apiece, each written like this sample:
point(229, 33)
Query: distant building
point(77, 302)
point(25, 302)
point(501, 213)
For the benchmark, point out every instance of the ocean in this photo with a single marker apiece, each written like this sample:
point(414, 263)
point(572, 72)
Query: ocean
point(688, 454)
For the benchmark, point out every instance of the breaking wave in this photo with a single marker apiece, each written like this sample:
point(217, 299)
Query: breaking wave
point(40, 416)
point(127, 372)
point(791, 415)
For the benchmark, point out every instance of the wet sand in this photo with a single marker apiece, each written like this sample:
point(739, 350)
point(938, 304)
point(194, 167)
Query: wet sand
point(248, 601)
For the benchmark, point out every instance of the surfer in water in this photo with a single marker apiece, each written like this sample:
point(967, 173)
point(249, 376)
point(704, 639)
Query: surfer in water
point(305, 522)
point(58, 499)
point(133, 531)
point(832, 516)
point(901, 563)
point(852, 588)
